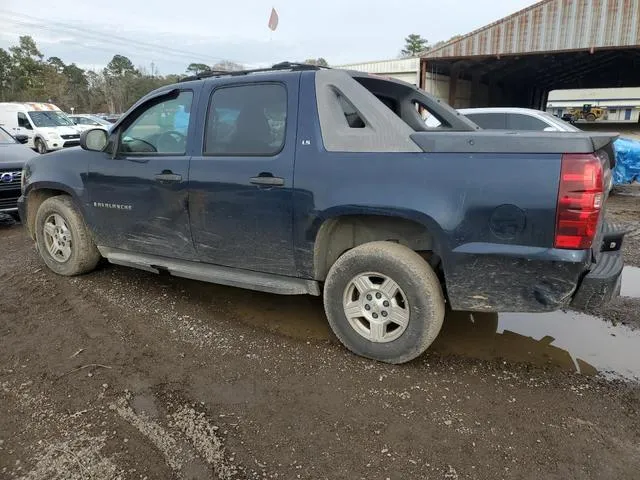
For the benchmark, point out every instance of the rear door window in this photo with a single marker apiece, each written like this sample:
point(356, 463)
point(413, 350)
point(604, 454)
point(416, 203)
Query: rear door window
point(489, 121)
point(517, 121)
point(247, 120)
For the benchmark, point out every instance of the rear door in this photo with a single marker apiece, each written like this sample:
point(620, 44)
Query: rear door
point(241, 183)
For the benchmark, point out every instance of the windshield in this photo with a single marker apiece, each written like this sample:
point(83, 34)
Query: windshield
point(50, 119)
point(5, 137)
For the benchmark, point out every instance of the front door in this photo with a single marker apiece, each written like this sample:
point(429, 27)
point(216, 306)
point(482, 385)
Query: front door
point(241, 186)
point(138, 197)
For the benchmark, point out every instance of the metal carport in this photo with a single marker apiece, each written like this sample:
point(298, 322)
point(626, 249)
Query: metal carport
point(554, 44)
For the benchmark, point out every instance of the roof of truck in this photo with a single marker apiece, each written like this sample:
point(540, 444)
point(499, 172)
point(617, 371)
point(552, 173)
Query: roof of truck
point(32, 106)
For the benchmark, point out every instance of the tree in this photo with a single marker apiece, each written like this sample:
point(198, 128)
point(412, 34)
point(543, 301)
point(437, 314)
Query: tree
point(78, 86)
point(5, 74)
point(25, 76)
point(320, 62)
point(198, 68)
point(119, 76)
point(228, 66)
point(444, 42)
point(56, 63)
point(119, 66)
point(27, 68)
point(414, 44)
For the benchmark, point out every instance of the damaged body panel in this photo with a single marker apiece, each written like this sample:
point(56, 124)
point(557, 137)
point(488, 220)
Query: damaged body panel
point(277, 174)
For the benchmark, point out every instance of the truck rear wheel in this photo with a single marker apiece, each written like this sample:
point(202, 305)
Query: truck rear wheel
point(63, 240)
point(384, 302)
point(591, 117)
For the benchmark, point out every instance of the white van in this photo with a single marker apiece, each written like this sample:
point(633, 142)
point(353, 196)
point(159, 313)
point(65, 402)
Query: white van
point(47, 127)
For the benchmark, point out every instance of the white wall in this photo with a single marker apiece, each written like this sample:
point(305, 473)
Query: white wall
point(406, 69)
point(614, 113)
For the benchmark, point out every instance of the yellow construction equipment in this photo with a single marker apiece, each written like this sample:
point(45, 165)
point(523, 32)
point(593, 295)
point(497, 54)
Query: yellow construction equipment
point(588, 113)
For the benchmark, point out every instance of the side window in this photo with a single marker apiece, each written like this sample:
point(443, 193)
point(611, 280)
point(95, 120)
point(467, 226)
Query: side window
point(525, 122)
point(23, 121)
point(430, 120)
point(161, 128)
point(489, 121)
point(351, 115)
point(246, 120)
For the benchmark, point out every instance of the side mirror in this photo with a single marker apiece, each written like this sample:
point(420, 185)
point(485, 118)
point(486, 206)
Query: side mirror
point(21, 138)
point(94, 140)
point(551, 129)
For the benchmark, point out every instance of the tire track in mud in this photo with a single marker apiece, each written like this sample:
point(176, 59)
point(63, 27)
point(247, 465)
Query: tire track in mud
point(189, 442)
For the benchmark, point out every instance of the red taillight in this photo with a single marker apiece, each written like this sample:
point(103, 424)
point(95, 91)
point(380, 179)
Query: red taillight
point(579, 201)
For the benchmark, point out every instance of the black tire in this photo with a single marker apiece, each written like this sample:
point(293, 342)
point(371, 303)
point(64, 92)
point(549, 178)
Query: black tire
point(426, 304)
point(591, 117)
point(84, 254)
point(40, 146)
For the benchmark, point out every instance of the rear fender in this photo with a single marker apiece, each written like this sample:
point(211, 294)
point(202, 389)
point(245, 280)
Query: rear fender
point(344, 227)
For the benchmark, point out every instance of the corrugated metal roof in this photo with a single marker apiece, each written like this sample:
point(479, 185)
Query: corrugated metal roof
point(552, 25)
point(397, 65)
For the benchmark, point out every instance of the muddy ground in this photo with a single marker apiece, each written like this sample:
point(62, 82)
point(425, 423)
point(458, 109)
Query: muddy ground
point(124, 374)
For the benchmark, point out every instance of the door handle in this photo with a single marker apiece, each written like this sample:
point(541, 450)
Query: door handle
point(168, 177)
point(267, 180)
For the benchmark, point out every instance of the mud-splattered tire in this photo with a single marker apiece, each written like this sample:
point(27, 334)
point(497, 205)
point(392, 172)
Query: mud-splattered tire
point(63, 240)
point(389, 284)
point(40, 146)
point(591, 117)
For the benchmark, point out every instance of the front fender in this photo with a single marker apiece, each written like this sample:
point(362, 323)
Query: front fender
point(63, 171)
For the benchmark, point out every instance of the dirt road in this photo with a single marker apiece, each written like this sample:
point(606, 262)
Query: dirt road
point(124, 374)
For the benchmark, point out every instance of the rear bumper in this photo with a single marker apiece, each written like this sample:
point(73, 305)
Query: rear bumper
point(601, 284)
point(509, 278)
point(603, 280)
point(506, 278)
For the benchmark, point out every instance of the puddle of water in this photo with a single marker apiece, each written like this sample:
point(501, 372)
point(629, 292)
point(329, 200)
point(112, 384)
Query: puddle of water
point(569, 341)
point(300, 317)
point(630, 282)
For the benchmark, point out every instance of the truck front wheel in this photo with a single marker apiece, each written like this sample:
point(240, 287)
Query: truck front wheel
point(63, 240)
point(384, 302)
point(41, 147)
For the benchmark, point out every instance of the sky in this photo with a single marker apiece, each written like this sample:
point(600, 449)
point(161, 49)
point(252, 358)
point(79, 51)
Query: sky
point(171, 34)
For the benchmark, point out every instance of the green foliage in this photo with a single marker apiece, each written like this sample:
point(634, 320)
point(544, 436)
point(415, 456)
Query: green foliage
point(320, 62)
point(197, 68)
point(414, 44)
point(25, 76)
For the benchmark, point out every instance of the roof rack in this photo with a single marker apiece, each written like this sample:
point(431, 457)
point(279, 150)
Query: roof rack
point(291, 66)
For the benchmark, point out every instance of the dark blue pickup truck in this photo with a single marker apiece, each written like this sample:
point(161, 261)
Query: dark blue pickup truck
point(299, 180)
